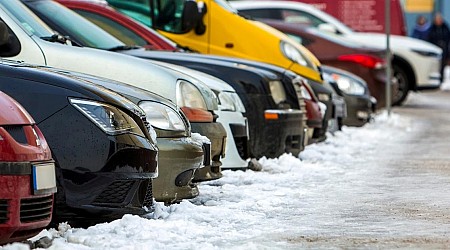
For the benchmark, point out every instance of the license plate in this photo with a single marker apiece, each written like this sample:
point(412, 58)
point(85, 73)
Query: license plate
point(44, 179)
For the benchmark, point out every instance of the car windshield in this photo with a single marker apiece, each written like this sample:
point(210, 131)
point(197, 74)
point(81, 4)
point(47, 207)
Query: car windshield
point(77, 27)
point(341, 40)
point(224, 4)
point(26, 19)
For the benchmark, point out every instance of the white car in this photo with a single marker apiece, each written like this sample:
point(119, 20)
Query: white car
point(415, 63)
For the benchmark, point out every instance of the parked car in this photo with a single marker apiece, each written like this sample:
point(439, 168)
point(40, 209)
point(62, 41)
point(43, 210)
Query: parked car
point(261, 145)
point(192, 24)
point(342, 53)
point(360, 104)
point(27, 174)
point(416, 63)
point(367, 16)
point(99, 140)
point(32, 41)
point(180, 155)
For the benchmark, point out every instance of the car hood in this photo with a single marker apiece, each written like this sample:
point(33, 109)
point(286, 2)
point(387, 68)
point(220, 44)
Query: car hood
point(212, 82)
point(378, 40)
point(85, 88)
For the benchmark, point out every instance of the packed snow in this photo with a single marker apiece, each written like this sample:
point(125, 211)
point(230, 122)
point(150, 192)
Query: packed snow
point(242, 210)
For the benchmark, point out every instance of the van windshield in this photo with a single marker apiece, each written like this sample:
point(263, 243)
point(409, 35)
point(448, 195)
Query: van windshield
point(224, 4)
point(26, 19)
point(70, 23)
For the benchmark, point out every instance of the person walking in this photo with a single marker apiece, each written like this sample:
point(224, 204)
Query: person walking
point(439, 35)
point(421, 29)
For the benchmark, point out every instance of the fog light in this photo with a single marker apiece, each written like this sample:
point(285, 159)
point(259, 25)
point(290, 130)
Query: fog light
point(362, 115)
point(184, 178)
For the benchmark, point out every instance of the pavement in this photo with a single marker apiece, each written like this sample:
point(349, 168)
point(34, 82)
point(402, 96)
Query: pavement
point(398, 196)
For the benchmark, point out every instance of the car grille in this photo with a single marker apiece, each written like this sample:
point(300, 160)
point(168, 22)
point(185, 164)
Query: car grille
point(35, 209)
point(241, 146)
point(115, 193)
point(3, 211)
point(17, 133)
point(148, 200)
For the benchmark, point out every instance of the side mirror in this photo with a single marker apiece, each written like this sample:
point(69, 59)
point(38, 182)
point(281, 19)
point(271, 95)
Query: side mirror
point(192, 17)
point(189, 16)
point(4, 34)
point(328, 28)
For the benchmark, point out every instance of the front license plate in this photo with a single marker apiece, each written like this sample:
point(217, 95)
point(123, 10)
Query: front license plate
point(44, 179)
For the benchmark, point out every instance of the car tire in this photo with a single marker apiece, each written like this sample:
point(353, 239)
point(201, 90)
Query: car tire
point(400, 76)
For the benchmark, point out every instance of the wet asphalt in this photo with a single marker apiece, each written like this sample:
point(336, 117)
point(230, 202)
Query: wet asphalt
point(396, 195)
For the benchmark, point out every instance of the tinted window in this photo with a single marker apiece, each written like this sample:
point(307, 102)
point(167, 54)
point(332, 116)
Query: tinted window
point(125, 35)
point(263, 13)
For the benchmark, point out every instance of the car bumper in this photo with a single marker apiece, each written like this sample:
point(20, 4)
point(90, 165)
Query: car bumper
point(178, 159)
point(359, 110)
point(283, 134)
point(22, 213)
point(427, 70)
point(118, 182)
point(236, 150)
point(217, 134)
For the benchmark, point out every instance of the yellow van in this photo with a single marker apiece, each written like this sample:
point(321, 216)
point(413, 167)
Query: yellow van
point(214, 27)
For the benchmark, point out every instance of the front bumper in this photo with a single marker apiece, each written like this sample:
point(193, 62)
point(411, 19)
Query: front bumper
point(22, 214)
point(236, 150)
point(113, 184)
point(359, 110)
point(285, 134)
point(217, 135)
point(178, 159)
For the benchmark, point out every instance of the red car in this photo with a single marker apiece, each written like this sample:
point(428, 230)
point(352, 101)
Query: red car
point(335, 51)
point(27, 174)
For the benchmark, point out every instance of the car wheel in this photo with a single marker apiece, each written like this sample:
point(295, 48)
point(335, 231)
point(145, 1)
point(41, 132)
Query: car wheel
point(401, 79)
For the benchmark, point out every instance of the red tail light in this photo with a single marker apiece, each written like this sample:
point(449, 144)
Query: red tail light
point(197, 115)
point(368, 61)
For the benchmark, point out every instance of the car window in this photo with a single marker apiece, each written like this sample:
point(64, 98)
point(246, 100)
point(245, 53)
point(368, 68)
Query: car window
point(26, 19)
point(136, 9)
point(122, 33)
point(12, 46)
point(296, 16)
point(263, 13)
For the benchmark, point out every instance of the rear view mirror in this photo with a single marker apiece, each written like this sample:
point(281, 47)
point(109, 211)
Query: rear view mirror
point(327, 28)
point(4, 34)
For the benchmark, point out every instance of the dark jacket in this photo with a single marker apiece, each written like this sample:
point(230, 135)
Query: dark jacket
point(440, 36)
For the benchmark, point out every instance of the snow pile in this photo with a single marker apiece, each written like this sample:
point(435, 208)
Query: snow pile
point(242, 210)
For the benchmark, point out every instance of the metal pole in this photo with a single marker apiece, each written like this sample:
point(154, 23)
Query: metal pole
point(387, 19)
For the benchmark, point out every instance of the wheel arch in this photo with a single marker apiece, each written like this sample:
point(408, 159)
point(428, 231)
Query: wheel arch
point(406, 66)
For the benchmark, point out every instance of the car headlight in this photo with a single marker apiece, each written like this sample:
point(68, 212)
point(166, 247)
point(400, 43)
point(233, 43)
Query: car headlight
point(292, 53)
point(277, 91)
point(323, 97)
point(192, 103)
point(162, 117)
point(110, 119)
point(426, 53)
point(348, 85)
point(229, 101)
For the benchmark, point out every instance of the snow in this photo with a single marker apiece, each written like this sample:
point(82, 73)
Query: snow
point(242, 210)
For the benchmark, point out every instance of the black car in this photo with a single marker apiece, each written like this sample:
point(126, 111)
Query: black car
point(291, 83)
point(262, 92)
point(360, 104)
point(105, 157)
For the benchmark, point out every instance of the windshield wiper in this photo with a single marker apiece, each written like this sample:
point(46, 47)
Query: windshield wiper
point(55, 38)
point(124, 47)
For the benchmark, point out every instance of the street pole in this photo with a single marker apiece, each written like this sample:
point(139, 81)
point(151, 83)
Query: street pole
point(387, 19)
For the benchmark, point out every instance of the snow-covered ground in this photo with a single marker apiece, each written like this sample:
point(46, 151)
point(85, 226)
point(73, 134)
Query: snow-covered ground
point(248, 210)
